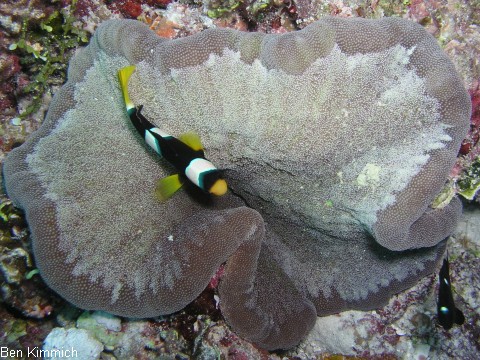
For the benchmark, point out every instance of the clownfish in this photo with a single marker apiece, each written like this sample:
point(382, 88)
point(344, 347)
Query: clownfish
point(448, 314)
point(185, 153)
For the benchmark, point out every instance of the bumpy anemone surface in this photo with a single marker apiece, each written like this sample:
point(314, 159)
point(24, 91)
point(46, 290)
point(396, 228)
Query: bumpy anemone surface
point(334, 140)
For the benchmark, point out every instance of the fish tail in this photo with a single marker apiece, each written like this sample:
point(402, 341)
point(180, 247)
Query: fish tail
point(124, 75)
point(459, 317)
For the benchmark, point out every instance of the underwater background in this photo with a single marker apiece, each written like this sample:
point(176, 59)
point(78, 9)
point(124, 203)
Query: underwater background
point(37, 40)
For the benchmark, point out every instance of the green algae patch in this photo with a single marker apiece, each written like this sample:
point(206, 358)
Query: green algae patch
point(445, 196)
point(102, 326)
point(45, 50)
point(469, 182)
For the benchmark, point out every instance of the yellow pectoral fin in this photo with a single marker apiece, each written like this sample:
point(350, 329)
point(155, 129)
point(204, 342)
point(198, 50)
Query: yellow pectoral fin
point(168, 186)
point(192, 140)
point(124, 76)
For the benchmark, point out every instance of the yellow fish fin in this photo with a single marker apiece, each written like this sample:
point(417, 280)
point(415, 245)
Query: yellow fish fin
point(124, 76)
point(168, 186)
point(192, 140)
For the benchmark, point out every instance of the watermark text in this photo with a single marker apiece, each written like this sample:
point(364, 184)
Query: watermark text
point(36, 352)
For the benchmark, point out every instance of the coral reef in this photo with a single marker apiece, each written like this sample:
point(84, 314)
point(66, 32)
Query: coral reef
point(466, 172)
point(454, 24)
point(47, 39)
point(335, 201)
point(19, 286)
point(71, 343)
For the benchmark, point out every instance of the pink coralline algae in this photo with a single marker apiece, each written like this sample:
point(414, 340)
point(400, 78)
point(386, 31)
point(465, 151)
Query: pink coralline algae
point(466, 173)
point(131, 9)
point(419, 9)
point(84, 7)
point(471, 141)
point(9, 68)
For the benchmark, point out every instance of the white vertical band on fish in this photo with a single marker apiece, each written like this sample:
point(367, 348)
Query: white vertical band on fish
point(152, 141)
point(196, 168)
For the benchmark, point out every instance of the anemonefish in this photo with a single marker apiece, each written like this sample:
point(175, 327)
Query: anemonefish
point(448, 314)
point(185, 153)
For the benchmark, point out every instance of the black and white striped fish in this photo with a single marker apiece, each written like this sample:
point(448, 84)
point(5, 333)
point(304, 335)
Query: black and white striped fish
point(185, 153)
